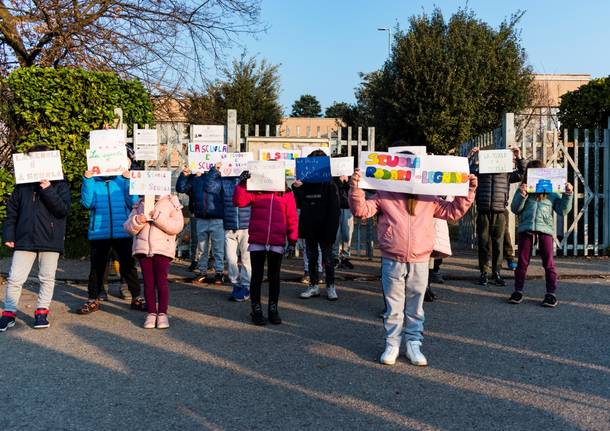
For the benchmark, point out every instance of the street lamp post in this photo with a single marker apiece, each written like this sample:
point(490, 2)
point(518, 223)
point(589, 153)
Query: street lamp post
point(389, 30)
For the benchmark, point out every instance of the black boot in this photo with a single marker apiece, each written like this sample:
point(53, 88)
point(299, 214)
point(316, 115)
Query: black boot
point(257, 314)
point(498, 280)
point(483, 279)
point(274, 316)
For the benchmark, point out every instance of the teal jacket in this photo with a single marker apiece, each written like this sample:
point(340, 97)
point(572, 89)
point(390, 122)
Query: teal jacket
point(537, 215)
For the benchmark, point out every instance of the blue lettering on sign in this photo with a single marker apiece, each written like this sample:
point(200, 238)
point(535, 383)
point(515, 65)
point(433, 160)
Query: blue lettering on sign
point(313, 169)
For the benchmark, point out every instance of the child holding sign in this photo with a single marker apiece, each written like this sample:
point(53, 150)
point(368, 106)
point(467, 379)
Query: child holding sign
point(406, 239)
point(155, 247)
point(535, 213)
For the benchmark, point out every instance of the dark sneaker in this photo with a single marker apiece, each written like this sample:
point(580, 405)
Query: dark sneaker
point(193, 266)
point(7, 320)
point(41, 320)
point(345, 263)
point(274, 316)
point(549, 300)
point(511, 264)
point(219, 278)
point(235, 293)
point(429, 296)
point(138, 304)
point(483, 281)
point(257, 314)
point(516, 298)
point(436, 277)
point(498, 280)
point(336, 263)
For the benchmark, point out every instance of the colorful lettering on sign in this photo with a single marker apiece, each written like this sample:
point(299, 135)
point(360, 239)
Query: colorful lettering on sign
point(412, 163)
point(393, 161)
point(267, 155)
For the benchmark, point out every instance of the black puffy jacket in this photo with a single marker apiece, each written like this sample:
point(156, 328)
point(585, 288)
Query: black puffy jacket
point(493, 189)
point(320, 212)
point(36, 218)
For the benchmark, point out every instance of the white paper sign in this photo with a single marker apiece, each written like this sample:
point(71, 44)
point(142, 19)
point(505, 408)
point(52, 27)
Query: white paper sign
point(37, 166)
point(306, 151)
point(419, 150)
point(495, 161)
point(235, 163)
point(266, 176)
point(425, 175)
point(202, 156)
point(215, 134)
point(145, 144)
point(287, 156)
point(150, 183)
point(106, 138)
point(107, 161)
point(546, 180)
point(341, 166)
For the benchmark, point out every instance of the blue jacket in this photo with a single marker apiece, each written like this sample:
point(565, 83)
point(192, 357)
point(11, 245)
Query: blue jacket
point(537, 215)
point(234, 218)
point(109, 205)
point(205, 201)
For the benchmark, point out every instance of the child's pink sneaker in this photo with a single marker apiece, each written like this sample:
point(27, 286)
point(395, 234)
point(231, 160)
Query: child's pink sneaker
point(151, 321)
point(162, 321)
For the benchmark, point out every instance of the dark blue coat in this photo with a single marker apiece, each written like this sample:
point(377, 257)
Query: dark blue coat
point(109, 205)
point(234, 218)
point(205, 202)
point(36, 218)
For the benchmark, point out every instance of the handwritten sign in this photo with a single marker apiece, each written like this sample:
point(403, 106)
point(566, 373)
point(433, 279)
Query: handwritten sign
point(37, 166)
point(288, 156)
point(266, 176)
point(495, 161)
point(106, 138)
point(341, 166)
point(306, 151)
point(425, 175)
point(202, 156)
point(150, 183)
point(418, 150)
point(145, 144)
point(546, 180)
point(313, 169)
point(107, 161)
point(235, 163)
point(214, 134)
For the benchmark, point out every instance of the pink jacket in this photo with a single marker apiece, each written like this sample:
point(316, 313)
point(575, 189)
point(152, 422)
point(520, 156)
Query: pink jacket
point(159, 235)
point(403, 237)
point(273, 216)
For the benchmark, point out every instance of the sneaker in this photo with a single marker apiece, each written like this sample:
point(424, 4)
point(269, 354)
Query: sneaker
point(549, 301)
point(245, 291)
point(429, 296)
point(274, 316)
point(511, 264)
point(436, 277)
point(483, 281)
point(389, 355)
point(310, 292)
point(345, 263)
point(497, 279)
point(150, 322)
point(193, 266)
point(124, 292)
point(138, 304)
point(516, 297)
point(40, 318)
point(7, 320)
point(218, 278)
point(162, 321)
point(257, 314)
point(235, 293)
point(305, 279)
point(414, 355)
point(331, 293)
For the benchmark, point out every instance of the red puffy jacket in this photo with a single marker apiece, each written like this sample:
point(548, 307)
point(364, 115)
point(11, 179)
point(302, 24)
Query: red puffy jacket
point(273, 216)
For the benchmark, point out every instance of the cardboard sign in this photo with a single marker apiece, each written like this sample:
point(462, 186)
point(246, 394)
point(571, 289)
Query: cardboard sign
point(266, 176)
point(150, 183)
point(495, 161)
point(546, 180)
point(306, 151)
point(107, 161)
point(37, 166)
point(342, 166)
point(107, 138)
point(418, 150)
point(214, 134)
point(202, 156)
point(424, 175)
point(235, 163)
point(313, 169)
point(145, 144)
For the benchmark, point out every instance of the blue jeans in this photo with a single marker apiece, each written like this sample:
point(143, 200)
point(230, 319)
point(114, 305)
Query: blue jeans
point(211, 230)
point(343, 244)
point(404, 285)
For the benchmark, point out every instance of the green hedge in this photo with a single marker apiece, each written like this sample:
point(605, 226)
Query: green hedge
point(58, 108)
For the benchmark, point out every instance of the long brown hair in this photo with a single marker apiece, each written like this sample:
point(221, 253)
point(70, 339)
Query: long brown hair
point(411, 198)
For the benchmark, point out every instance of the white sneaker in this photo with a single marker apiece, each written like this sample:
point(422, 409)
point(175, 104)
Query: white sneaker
point(331, 293)
point(414, 355)
point(389, 355)
point(151, 321)
point(310, 292)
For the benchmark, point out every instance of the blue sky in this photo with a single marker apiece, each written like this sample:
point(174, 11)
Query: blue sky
point(321, 46)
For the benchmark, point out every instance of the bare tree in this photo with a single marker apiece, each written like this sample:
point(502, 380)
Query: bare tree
point(162, 42)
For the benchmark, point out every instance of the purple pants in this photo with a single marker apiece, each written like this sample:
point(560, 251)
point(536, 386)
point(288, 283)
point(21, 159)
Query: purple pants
point(155, 270)
point(545, 246)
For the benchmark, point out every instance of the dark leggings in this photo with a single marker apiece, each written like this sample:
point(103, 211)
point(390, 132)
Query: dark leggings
point(100, 252)
point(155, 270)
point(274, 263)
